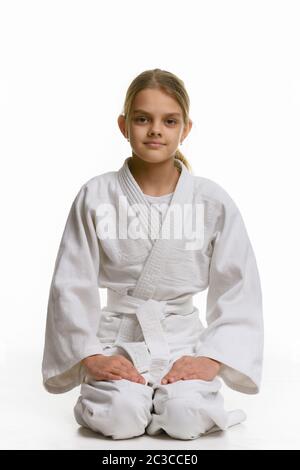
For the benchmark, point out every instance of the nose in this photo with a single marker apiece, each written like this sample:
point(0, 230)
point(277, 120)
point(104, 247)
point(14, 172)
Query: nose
point(154, 130)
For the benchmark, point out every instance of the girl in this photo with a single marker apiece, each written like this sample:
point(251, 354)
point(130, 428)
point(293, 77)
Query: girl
point(145, 362)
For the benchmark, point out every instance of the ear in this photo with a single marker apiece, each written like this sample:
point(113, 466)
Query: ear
point(121, 123)
point(187, 129)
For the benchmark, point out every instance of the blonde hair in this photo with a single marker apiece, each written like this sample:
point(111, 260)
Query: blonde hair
point(167, 82)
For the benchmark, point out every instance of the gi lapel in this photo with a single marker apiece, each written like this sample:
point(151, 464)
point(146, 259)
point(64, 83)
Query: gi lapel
point(183, 194)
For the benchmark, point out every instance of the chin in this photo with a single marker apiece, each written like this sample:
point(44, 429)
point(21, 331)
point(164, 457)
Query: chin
point(152, 156)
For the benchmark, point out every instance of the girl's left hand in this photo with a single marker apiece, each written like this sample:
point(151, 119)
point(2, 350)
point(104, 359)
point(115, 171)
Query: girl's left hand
point(189, 367)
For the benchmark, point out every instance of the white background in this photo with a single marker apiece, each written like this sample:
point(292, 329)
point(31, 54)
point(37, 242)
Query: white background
point(64, 70)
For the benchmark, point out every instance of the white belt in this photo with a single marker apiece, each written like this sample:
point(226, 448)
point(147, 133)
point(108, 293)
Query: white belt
point(153, 353)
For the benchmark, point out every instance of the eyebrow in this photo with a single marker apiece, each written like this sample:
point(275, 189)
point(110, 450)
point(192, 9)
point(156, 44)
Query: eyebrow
point(146, 112)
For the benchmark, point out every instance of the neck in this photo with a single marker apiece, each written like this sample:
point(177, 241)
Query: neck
point(154, 179)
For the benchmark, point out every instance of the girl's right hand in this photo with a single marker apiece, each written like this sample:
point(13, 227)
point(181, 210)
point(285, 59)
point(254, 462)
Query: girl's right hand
point(117, 367)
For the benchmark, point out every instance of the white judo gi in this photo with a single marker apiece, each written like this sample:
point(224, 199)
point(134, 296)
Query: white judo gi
point(150, 317)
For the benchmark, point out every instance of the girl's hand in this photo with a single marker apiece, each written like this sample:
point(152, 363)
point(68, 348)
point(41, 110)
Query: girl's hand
point(117, 367)
point(189, 367)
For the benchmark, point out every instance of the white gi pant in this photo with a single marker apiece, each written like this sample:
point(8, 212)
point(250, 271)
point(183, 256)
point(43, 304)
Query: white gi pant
point(122, 409)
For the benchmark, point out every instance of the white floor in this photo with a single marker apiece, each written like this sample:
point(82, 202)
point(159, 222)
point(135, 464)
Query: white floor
point(31, 418)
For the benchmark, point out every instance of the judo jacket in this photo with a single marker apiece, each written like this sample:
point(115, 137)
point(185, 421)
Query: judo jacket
point(151, 269)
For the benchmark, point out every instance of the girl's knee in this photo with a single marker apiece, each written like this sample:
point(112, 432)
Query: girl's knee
point(122, 416)
point(187, 420)
point(181, 420)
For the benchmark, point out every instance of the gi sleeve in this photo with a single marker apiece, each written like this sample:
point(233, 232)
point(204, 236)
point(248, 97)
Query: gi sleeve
point(235, 332)
point(74, 302)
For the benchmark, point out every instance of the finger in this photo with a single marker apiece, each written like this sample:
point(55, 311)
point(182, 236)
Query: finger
point(167, 378)
point(128, 369)
point(132, 372)
point(133, 377)
point(141, 380)
point(123, 369)
point(174, 377)
point(127, 375)
point(169, 374)
point(108, 376)
point(170, 381)
point(126, 362)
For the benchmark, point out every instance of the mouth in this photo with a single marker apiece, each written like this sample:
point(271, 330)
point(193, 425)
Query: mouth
point(154, 144)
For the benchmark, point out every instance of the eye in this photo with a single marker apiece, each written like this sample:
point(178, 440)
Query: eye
point(170, 121)
point(140, 117)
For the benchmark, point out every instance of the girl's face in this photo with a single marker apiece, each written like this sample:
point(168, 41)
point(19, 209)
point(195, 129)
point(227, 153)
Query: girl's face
point(157, 117)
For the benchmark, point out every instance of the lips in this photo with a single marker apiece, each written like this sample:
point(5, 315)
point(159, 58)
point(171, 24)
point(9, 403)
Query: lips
point(154, 142)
